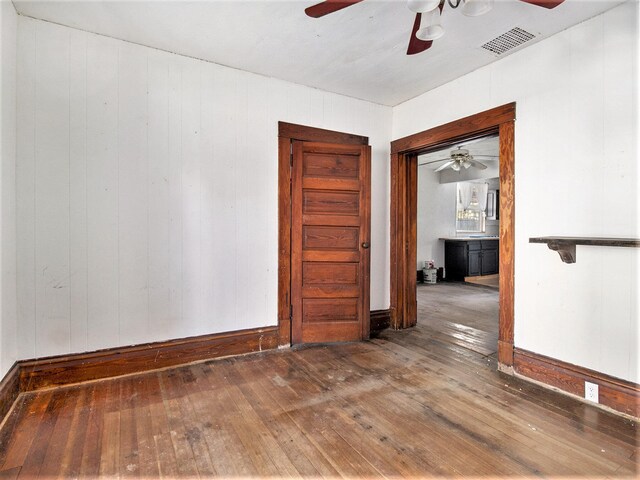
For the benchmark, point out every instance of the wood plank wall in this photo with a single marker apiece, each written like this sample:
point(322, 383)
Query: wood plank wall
point(8, 65)
point(147, 191)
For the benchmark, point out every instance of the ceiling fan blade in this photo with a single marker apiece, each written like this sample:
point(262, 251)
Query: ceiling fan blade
point(328, 6)
point(475, 163)
point(445, 166)
point(415, 44)
point(544, 3)
point(446, 159)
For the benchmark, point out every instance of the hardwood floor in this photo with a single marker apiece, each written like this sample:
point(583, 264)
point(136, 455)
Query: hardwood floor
point(486, 280)
point(460, 314)
point(421, 402)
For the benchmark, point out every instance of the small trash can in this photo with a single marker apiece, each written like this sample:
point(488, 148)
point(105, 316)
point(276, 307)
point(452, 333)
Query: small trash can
point(430, 275)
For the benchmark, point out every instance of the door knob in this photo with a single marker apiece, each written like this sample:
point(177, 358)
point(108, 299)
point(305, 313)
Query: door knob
point(365, 245)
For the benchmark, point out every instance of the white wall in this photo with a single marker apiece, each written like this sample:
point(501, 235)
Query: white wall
point(436, 216)
point(8, 325)
point(576, 174)
point(147, 191)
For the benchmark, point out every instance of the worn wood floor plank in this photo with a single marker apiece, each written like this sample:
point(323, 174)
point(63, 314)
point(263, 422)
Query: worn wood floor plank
point(32, 465)
point(53, 461)
point(207, 408)
point(10, 474)
point(110, 443)
point(71, 461)
point(190, 423)
point(302, 452)
point(173, 396)
point(463, 382)
point(19, 431)
point(441, 427)
point(91, 446)
point(167, 464)
point(143, 395)
point(512, 406)
point(425, 402)
point(129, 456)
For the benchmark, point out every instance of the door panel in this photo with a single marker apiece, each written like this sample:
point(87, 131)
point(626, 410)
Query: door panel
point(330, 238)
point(329, 256)
point(327, 202)
point(331, 166)
point(338, 220)
point(323, 273)
point(330, 310)
point(329, 242)
point(336, 291)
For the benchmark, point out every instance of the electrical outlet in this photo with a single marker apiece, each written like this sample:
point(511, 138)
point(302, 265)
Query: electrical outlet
point(591, 392)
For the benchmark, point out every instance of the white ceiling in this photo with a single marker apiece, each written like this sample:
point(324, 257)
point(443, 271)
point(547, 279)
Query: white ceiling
point(359, 51)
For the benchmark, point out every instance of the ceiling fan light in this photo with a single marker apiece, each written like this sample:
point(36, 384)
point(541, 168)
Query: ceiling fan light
point(475, 8)
point(466, 164)
point(455, 166)
point(422, 6)
point(430, 27)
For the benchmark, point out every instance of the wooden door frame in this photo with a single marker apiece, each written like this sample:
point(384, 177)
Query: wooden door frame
point(404, 189)
point(287, 133)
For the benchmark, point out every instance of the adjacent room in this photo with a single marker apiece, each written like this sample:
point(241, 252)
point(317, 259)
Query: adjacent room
point(277, 238)
point(458, 226)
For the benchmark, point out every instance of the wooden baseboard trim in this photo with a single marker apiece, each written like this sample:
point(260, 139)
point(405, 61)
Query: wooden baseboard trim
point(9, 390)
point(379, 320)
point(67, 369)
point(620, 395)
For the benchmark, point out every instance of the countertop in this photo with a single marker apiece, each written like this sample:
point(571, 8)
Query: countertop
point(467, 238)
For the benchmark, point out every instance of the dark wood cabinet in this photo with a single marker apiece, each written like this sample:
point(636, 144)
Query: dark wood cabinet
point(489, 264)
point(474, 264)
point(470, 258)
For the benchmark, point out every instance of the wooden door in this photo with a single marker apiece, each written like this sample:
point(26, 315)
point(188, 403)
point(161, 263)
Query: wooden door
point(331, 203)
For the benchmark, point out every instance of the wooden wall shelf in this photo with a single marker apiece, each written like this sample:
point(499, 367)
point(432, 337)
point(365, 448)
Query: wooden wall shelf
point(566, 246)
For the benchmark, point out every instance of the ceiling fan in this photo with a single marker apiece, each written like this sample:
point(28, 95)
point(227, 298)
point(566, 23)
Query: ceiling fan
point(422, 36)
point(459, 159)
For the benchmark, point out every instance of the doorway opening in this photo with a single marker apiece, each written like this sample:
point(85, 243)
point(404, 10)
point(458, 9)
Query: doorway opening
point(458, 245)
point(499, 122)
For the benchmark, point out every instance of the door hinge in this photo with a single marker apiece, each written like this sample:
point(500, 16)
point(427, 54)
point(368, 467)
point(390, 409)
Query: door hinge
point(291, 155)
point(290, 312)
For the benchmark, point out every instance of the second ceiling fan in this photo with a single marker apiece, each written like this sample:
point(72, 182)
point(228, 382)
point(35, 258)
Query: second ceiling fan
point(422, 36)
point(460, 159)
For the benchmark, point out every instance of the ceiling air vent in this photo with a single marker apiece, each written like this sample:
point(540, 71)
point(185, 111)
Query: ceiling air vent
point(508, 41)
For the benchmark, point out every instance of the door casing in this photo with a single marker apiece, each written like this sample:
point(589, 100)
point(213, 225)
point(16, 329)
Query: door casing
point(287, 133)
point(404, 190)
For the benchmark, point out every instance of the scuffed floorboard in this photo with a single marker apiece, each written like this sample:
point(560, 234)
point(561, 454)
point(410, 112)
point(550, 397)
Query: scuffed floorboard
point(416, 403)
